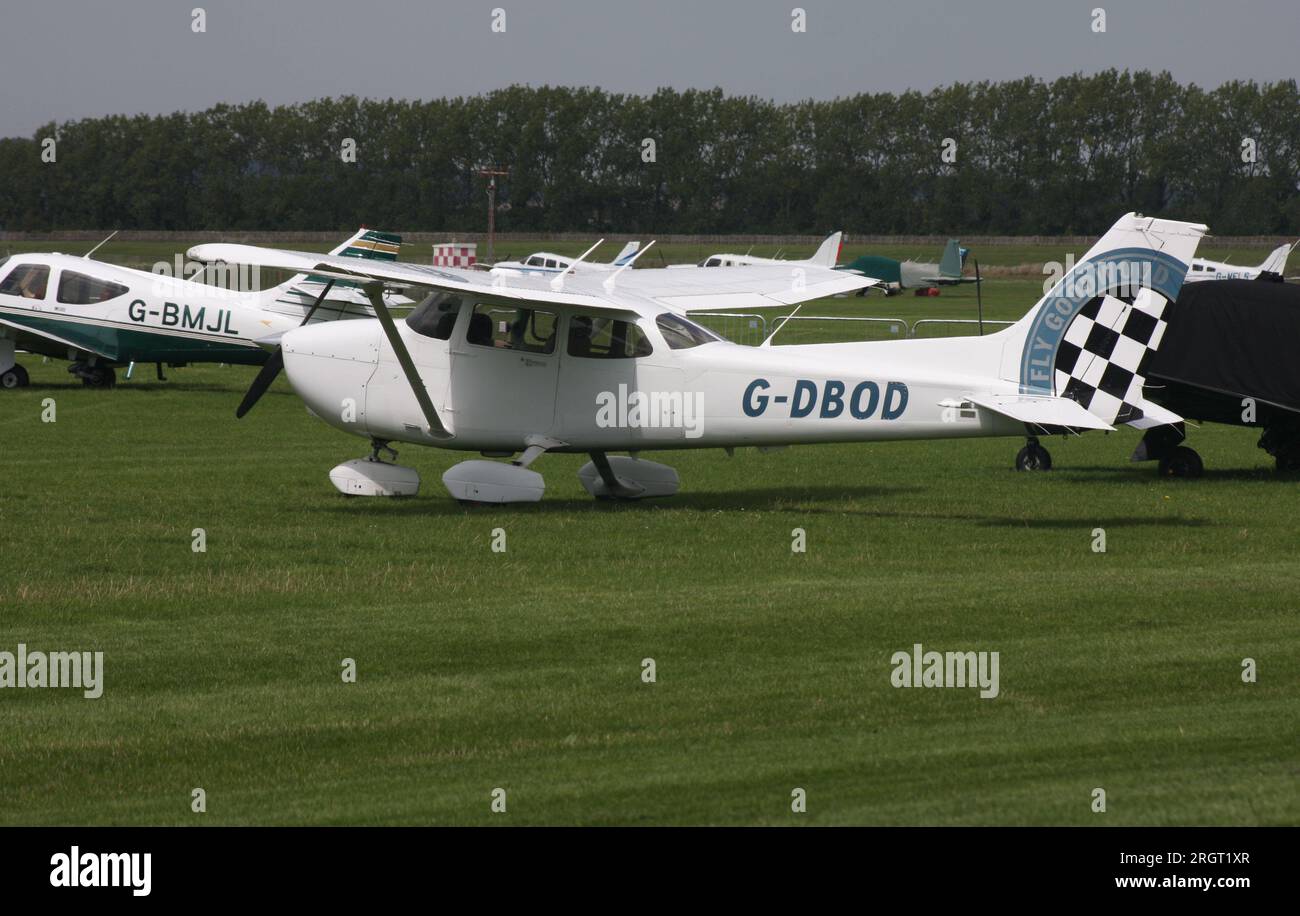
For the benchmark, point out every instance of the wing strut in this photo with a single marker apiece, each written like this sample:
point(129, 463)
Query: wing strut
point(375, 293)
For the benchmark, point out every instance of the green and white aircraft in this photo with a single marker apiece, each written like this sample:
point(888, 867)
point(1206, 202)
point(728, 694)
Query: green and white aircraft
point(101, 316)
point(896, 276)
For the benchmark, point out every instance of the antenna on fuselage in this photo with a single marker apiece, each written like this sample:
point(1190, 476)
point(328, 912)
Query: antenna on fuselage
point(557, 283)
point(100, 245)
point(609, 281)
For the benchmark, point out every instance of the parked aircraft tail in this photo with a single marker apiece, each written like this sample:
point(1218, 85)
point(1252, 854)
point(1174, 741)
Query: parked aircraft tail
point(1275, 263)
point(346, 299)
point(628, 252)
point(951, 263)
point(828, 252)
point(1091, 337)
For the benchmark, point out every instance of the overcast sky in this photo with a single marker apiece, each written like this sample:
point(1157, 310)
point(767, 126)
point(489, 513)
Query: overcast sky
point(63, 59)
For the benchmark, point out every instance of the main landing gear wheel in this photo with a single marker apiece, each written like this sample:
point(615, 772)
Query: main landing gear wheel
point(14, 377)
point(1288, 462)
point(1033, 457)
point(1181, 462)
point(99, 377)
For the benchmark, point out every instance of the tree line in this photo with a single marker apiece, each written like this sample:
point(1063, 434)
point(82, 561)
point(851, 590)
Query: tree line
point(1019, 157)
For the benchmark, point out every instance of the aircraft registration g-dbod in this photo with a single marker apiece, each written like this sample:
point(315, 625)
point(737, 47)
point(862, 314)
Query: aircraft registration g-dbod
point(582, 364)
point(99, 315)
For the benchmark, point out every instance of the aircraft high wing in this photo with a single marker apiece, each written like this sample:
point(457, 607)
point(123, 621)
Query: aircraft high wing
point(638, 291)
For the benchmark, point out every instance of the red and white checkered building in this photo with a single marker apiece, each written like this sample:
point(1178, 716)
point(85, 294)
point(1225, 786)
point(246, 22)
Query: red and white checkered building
point(454, 254)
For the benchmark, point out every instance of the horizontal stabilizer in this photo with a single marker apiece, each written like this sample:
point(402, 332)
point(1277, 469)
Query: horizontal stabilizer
point(1040, 410)
point(1154, 415)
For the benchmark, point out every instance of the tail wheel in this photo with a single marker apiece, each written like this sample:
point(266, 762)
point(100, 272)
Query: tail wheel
point(1033, 457)
point(14, 377)
point(1181, 462)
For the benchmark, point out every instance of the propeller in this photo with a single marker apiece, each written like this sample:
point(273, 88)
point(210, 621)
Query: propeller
point(275, 363)
point(979, 295)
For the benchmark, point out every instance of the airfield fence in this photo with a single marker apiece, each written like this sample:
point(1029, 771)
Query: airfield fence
point(751, 329)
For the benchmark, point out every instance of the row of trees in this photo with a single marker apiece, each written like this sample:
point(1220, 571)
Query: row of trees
point(1020, 157)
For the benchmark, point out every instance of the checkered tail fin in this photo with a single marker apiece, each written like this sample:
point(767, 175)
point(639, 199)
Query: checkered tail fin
point(1091, 338)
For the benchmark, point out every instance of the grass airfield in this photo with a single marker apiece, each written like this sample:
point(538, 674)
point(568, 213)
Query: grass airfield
point(522, 670)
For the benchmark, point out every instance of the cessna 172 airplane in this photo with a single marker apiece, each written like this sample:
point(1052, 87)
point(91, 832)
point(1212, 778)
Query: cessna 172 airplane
point(1275, 263)
point(584, 364)
point(896, 276)
point(99, 315)
point(546, 263)
point(828, 252)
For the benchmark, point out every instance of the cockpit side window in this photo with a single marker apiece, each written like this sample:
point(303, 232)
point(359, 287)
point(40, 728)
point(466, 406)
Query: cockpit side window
point(509, 328)
point(83, 289)
point(681, 334)
point(436, 316)
point(26, 280)
point(535, 261)
point(593, 337)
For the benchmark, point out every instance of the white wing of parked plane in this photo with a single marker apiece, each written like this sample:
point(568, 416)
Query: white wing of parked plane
point(644, 292)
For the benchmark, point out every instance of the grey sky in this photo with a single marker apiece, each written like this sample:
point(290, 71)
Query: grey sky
point(65, 59)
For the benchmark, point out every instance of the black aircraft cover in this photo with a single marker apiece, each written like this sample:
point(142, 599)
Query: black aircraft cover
point(1239, 338)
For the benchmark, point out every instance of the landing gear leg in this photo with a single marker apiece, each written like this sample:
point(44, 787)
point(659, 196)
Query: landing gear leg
point(380, 445)
point(1033, 457)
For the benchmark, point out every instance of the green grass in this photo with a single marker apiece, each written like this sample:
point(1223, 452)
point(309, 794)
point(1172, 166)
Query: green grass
point(522, 670)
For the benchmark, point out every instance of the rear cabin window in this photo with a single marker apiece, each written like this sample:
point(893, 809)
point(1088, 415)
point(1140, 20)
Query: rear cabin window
point(681, 334)
point(592, 337)
point(82, 289)
point(26, 280)
point(506, 328)
point(436, 316)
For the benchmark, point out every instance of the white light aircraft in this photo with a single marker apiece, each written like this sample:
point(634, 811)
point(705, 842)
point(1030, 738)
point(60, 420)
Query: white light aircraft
point(100, 316)
point(546, 263)
point(1275, 263)
point(594, 366)
point(828, 252)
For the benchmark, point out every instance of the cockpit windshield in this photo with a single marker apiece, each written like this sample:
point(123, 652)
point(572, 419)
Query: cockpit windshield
point(681, 334)
point(436, 316)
